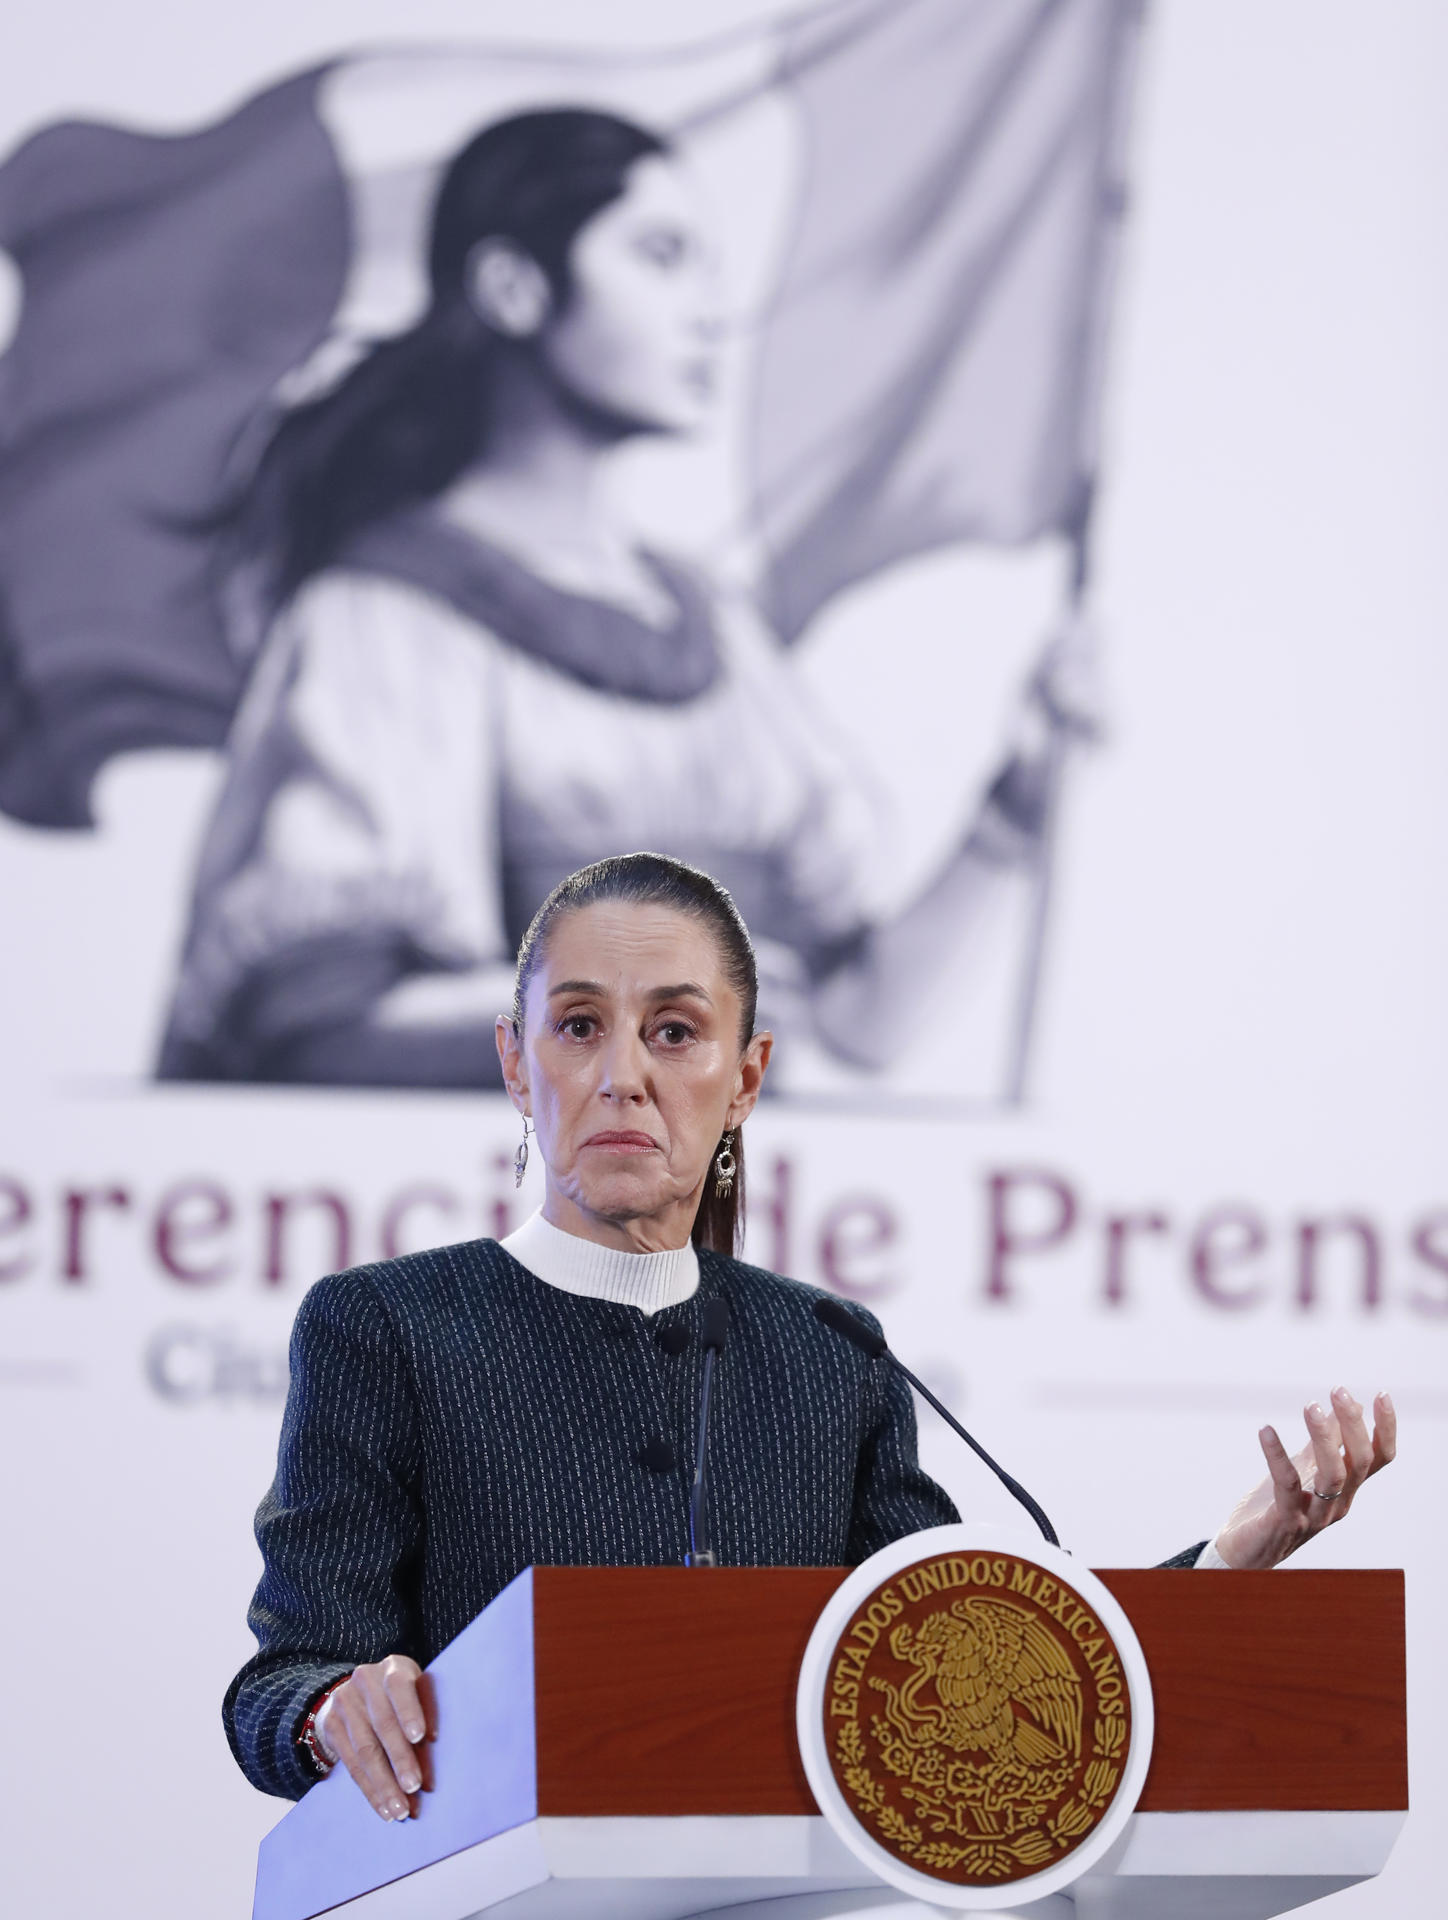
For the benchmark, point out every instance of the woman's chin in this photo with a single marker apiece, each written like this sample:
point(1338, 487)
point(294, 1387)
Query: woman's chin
point(627, 1193)
point(680, 417)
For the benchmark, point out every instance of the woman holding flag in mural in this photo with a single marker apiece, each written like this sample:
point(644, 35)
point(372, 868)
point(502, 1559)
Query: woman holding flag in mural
point(443, 667)
point(470, 679)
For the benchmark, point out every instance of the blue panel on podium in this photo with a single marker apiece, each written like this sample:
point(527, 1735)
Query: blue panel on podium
point(332, 1846)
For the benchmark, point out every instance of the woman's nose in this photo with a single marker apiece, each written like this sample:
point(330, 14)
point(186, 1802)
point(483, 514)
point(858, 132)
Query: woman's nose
point(709, 318)
point(625, 1074)
point(709, 324)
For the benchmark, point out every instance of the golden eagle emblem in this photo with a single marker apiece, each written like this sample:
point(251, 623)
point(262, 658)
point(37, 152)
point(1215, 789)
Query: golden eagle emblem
point(981, 1733)
point(988, 1681)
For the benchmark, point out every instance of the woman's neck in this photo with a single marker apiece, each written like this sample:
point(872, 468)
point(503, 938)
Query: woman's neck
point(648, 1281)
point(658, 1233)
point(539, 492)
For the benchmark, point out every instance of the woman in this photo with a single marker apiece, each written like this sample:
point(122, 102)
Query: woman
point(471, 679)
point(457, 1415)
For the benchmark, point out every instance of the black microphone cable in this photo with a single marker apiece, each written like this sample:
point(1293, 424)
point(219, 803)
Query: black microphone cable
point(837, 1316)
point(714, 1328)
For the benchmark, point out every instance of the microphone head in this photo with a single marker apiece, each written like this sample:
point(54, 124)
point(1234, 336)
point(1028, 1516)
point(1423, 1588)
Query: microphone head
point(714, 1323)
point(837, 1316)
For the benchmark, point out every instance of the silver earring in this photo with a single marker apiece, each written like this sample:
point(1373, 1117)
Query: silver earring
point(725, 1167)
point(520, 1158)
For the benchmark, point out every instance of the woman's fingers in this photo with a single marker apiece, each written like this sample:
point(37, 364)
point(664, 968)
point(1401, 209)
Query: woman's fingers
point(350, 1734)
point(1329, 1470)
point(1286, 1509)
point(1286, 1480)
point(399, 1681)
point(1357, 1442)
point(365, 1758)
point(387, 1727)
point(1289, 1507)
point(368, 1734)
point(1385, 1432)
point(1344, 1452)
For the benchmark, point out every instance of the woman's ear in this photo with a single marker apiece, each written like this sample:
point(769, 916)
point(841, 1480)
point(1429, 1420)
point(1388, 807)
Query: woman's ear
point(507, 289)
point(515, 1066)
point(753, 1065)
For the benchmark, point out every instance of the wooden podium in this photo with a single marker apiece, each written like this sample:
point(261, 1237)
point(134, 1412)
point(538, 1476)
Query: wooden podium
point(620, 1742)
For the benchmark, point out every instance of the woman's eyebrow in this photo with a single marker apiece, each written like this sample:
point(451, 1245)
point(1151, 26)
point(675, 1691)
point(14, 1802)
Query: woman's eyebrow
point(685, 990)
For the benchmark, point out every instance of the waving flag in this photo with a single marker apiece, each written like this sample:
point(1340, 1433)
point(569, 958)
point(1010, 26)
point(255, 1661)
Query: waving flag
point(168, 284)
point(931, 190)
point(931, 367)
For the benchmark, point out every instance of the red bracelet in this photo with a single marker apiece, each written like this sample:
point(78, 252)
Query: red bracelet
point(310, 1740)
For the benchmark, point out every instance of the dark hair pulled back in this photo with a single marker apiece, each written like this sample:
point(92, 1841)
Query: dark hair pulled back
point(654, 880)
point(413, 415)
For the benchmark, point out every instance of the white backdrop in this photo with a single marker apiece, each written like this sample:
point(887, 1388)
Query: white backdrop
point(1243, 1026)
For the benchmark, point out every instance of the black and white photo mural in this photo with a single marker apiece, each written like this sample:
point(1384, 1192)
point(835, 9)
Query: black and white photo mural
point(965, 472)
point(496, 456)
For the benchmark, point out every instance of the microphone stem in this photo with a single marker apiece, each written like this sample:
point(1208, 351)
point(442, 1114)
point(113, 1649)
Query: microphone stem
point(1011, 1486)
point(701, 1555)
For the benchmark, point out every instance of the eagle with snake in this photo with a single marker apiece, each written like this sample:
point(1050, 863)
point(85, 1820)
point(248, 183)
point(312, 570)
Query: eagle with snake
point(989, 1679)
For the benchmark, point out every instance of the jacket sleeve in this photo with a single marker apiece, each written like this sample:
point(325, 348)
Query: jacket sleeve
point(339, 1530)
point(1188, 1556)
point(893, 1494)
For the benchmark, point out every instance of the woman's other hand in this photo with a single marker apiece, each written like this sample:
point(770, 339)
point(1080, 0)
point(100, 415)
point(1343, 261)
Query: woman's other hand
point(374, 1725)
point(1310, 1489)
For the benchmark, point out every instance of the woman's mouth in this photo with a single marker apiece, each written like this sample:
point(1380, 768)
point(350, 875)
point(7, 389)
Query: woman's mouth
point(701, 379)
point(623, 1142)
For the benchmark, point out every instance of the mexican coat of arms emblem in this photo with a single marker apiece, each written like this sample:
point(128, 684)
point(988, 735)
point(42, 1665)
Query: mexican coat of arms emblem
point(976, 1718)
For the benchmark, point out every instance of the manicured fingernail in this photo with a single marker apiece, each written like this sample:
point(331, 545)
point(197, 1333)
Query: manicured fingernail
point(410, 1783)
point(1315, 1412)
point(416, 1731)
point(1387, 1400)
point(400, 1810)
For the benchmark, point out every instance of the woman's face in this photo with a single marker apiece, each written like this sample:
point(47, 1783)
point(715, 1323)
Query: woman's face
point(638, 341)
point(631, 1065)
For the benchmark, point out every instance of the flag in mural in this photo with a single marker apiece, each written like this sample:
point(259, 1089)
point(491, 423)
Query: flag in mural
point(305, 424)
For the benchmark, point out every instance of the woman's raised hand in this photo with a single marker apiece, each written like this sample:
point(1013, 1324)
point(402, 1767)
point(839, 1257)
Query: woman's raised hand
point(1310, 1489)
point(375, 1726)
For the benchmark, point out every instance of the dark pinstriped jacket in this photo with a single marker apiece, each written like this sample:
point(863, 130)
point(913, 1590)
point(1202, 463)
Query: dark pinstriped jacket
point(452, 1420)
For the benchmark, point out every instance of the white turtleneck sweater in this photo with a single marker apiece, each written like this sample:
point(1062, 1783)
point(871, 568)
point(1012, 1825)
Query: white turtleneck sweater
point(648, 1281)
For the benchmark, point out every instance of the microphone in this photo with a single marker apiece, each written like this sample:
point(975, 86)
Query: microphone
point(713, 1330)
point(837, 1316)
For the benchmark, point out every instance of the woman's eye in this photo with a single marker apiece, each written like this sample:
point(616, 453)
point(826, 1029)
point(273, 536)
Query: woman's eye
point(675, 1033)
point(665, 246)
point(578, 1026)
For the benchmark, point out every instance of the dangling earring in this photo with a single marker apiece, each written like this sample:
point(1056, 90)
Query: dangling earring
point(725, 1167)
point(520, 1158)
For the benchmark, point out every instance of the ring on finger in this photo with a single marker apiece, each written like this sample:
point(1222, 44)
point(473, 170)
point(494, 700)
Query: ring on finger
point(1336, 1491)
